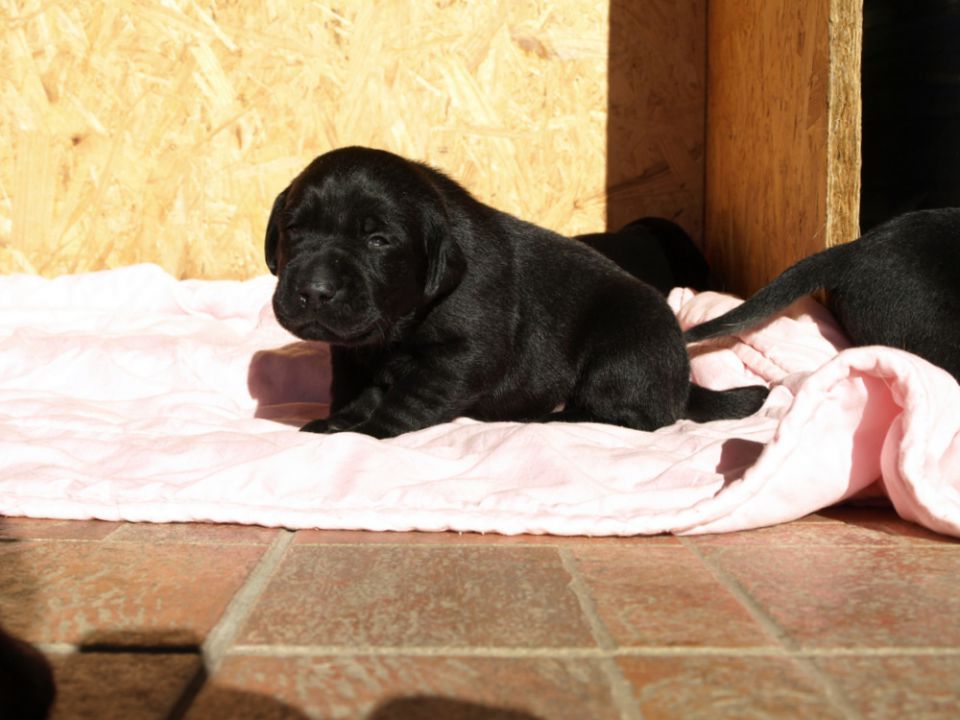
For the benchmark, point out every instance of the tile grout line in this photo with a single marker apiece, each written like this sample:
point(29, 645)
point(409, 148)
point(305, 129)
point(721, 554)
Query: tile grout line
point(744, 598)
point(222, 635)
point(579, 587)
point(477, 543)
point(733, 586)
point(108, 538)
point(114, 531)
point(494, 651)
point(895, 543)
point(620, 688)
point(217, 642)
point(559, 652)
point(413, 651)
point(57, 648)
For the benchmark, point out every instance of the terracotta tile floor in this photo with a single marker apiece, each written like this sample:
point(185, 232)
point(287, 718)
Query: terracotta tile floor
point(851, 613)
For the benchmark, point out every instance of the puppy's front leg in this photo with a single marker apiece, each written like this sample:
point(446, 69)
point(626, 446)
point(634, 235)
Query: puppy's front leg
point(354, 392)
point(422, 398)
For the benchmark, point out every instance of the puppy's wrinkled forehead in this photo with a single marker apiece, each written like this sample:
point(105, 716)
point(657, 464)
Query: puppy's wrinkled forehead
point(342, 196)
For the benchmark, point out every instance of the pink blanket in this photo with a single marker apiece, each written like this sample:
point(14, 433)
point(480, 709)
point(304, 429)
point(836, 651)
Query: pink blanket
point(128, 395)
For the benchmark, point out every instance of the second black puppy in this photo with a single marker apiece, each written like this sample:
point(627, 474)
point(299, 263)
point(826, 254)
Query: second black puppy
point(897, 285)
point(655, 250)
point(438, 306)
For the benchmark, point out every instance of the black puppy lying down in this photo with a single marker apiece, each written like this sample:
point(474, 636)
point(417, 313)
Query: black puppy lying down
point(437, 306)
point(897, 285)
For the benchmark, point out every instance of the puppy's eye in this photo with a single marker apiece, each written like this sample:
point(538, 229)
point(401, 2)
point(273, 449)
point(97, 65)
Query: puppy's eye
point(378, 241)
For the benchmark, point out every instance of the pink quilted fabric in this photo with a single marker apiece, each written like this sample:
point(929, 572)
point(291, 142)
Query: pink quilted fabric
point(128, 395)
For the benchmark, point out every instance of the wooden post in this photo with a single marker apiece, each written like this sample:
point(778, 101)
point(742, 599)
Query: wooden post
point(783, 133)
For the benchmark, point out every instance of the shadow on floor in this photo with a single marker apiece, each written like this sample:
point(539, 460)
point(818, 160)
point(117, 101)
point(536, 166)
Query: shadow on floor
point(26, 681)
point(879, 515)
point(423, 707)
point(145, 674)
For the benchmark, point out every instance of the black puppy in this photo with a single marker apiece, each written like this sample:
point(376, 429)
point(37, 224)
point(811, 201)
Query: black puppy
point(655, 250)
point(438, 306)
point(897, 285)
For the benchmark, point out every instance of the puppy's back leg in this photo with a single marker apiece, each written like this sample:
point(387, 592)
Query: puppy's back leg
point(630, 388)
point(616, 404)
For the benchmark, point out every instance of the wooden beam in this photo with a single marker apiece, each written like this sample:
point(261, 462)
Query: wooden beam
point(783, 133)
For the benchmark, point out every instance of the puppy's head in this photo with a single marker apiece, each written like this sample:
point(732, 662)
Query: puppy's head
point(359, 241)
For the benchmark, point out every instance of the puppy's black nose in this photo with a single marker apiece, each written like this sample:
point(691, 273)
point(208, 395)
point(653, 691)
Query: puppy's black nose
point(318, 291)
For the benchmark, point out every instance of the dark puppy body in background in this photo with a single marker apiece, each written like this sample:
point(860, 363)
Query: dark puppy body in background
point(655, 250)
point(897, 285)
point(438, 306)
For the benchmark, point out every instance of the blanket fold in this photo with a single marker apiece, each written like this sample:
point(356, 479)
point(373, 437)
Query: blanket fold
point(129, 395)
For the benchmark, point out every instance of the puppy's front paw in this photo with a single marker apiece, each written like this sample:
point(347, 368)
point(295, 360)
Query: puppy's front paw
point(337, 423)
point(328, 425)
point(374, 429)
point(318, 426)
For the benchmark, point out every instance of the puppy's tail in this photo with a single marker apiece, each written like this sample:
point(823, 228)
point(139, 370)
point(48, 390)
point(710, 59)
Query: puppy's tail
point(822, 270)
point(704, 404)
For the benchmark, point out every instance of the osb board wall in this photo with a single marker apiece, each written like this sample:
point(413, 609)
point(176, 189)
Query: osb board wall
point(160, 130)
point(655, 131)
point(783, 133)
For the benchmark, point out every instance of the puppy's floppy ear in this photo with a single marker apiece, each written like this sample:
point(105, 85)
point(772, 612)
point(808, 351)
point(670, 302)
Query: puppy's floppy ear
point(273, 231)
point(445, 261)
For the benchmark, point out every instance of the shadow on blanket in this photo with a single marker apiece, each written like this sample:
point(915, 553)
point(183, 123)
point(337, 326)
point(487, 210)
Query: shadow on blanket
point(736, 455)
point(291, 384)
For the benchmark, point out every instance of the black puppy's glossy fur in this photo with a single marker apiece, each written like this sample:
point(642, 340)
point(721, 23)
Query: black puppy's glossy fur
point(897, 285)
point(438, 306)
